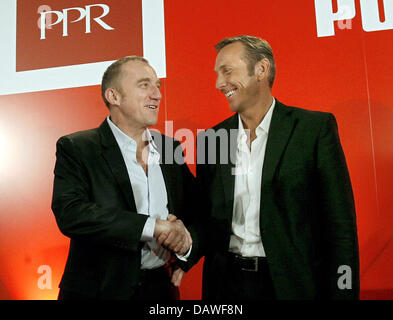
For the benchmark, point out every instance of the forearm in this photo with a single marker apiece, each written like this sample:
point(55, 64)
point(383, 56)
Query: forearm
point(106, 226)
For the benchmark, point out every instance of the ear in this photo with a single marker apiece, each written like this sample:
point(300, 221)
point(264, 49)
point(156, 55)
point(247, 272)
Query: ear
point(113, 96)
point(262, 69)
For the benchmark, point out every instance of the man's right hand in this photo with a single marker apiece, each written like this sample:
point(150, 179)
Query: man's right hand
point(173, 235)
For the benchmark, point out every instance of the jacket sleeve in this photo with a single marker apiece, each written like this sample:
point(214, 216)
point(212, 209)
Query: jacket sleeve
point(77, 213)
point(338, 216)
point(194, 218)
point(200, 207)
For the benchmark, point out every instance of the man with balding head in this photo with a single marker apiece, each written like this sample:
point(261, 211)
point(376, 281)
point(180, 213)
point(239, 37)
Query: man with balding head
point(118, 200)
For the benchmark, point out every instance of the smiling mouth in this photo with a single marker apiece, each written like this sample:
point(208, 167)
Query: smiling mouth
point(230, 93)
point(153, 107)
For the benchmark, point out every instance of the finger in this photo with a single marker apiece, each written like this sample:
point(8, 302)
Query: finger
point(189, 238)
point(177, 235)
point(186, 247)
point(171, 217)
point(174, 278)
point(175, 246)
point(169, 241)
point(180, 223)
point(178, 242)
point(162, 238)
point(182, 250)
point(179, 248)
point(177, 277)
point(181, 241)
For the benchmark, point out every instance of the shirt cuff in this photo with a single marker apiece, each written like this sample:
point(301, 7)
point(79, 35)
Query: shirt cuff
point(184, 256)
point(148, 230)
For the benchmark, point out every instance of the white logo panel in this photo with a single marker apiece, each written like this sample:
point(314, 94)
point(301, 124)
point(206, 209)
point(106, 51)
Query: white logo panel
point(12, 82)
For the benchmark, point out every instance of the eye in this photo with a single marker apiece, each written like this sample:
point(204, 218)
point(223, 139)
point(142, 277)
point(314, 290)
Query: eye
point(144, 84)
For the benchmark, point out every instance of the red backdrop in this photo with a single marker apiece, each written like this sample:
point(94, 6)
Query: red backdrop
point(349, 74)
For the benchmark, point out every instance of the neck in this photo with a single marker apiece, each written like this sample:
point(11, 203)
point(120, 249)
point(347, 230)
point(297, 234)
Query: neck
point(134, 133)
point(252, 116)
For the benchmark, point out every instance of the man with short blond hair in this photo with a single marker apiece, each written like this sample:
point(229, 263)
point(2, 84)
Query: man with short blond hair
point(280, 219)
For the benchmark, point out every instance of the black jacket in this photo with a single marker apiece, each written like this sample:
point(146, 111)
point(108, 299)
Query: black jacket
point(94, 205)
point(307, 211)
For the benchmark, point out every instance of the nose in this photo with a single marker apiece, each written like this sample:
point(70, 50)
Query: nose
point(220, 81)
point(156, 94)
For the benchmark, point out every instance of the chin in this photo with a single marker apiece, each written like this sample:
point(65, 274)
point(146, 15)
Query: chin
point(152, 123)
point(234, 107)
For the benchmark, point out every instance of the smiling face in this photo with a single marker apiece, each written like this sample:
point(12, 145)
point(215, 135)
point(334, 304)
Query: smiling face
point(233, 79)
point(137, 96)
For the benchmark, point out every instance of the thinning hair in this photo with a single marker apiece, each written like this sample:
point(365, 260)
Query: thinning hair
point(256, 49)
point(113, 73)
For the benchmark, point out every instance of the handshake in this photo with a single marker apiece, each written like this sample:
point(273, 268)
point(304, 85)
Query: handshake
point(173, 235)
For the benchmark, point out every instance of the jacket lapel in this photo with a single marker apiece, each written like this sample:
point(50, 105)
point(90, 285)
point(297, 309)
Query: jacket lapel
point(281, 127)
point(112, 154)
point(227, 169)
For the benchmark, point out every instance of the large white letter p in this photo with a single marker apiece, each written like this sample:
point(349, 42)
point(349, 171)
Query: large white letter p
point(325, 16)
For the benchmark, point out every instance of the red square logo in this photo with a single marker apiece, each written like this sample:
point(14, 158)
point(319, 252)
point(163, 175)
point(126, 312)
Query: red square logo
point(71, 32)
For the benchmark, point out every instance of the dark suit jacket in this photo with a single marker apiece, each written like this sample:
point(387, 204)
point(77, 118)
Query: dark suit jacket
point(94, 205)
point(307, 212)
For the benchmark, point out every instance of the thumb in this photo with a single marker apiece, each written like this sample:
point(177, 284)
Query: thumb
point(177, 276)
point(172, 217)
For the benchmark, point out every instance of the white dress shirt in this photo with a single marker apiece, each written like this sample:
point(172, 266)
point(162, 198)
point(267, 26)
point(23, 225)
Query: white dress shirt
point(246, 238)
point(149, 193)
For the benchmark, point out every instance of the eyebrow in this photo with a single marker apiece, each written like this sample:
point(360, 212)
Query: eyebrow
point(224, 66)
point(149, 80)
